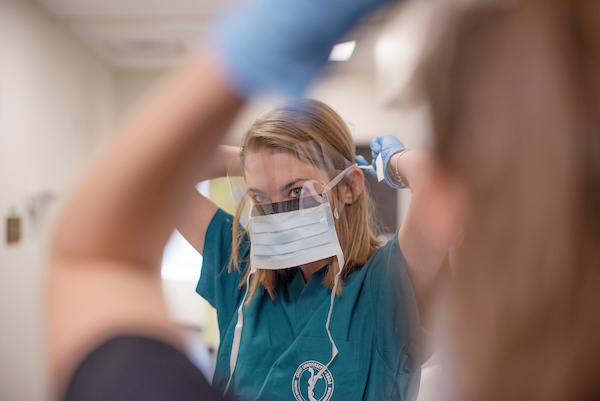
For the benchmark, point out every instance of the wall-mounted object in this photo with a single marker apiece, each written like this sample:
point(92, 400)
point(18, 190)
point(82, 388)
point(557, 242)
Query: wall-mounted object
point(13, 228)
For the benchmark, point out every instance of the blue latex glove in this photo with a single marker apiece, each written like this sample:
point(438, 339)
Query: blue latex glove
point(361, 161)
point(387, 145)
point(281, 45)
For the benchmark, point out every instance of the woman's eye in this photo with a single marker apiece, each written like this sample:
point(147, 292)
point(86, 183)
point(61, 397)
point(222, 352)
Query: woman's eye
point(296, 192)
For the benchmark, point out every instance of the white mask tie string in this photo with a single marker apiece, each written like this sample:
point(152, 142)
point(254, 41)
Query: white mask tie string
point(237, 335)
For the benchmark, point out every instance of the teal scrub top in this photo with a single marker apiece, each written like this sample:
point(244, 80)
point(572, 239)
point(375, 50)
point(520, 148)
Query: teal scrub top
point(375, 326)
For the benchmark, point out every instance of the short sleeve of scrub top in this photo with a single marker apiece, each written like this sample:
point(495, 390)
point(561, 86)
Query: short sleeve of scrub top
point(217, 285)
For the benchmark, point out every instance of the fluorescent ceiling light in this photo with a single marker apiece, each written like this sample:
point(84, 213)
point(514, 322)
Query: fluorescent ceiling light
point(342, 51)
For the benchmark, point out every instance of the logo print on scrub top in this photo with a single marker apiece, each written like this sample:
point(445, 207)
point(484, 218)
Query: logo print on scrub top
point(322, 390)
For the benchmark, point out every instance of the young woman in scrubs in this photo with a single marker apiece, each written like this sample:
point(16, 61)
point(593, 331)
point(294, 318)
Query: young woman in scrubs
point(380, 302)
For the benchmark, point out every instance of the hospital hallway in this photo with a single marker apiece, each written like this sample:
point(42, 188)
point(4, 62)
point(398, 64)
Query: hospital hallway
point(72, 70)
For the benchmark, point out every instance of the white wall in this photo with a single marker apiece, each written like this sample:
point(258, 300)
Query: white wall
point(56, 106)
point(355, 97)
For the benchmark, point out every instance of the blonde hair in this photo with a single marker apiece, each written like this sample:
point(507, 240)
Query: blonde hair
point(515, 97)
point(285, 128)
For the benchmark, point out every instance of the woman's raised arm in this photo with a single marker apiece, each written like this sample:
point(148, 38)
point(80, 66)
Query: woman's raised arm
point(430, 227)
point(201, 210)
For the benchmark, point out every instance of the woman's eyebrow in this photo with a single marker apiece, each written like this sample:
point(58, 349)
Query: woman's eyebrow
point(291, 184)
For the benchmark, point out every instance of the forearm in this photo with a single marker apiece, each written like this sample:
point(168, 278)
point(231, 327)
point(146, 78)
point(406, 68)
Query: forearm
point(429, 228)
point(224, 161)
point(142, 180)
point(411, 165)
point(199, 210)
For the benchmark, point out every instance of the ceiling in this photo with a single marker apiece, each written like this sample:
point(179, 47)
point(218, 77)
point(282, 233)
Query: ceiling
point(156, 34)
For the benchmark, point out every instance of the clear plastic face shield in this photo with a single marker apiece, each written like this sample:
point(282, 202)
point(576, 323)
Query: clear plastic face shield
point(288, 200)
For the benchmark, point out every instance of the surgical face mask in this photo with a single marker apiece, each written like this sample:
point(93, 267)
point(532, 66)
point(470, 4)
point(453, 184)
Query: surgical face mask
point(288, 234)
point(295, 232)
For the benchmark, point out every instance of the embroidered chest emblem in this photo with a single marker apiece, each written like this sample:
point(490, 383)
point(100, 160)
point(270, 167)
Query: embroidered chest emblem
point(307, 386)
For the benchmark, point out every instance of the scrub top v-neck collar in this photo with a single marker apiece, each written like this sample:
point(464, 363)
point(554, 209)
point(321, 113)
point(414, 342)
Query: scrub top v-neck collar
point(297, 286)
point(308, 297)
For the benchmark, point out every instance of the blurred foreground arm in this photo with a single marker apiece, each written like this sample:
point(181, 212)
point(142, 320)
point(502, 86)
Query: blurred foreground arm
point(104, 276)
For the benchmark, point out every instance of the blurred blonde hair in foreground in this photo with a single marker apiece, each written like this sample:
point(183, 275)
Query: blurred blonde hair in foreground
point(515, 95)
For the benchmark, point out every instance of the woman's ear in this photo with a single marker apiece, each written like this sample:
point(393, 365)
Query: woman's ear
point(355, 185)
